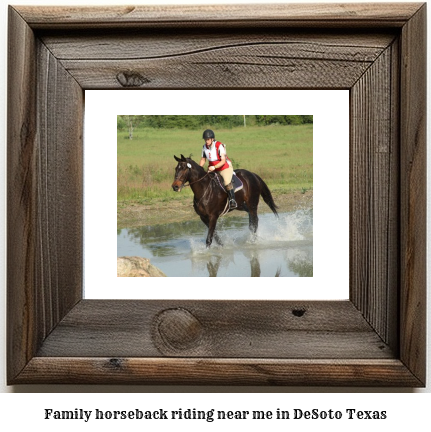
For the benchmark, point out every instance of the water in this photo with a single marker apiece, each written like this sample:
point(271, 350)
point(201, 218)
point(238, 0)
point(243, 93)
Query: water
point(282, 247)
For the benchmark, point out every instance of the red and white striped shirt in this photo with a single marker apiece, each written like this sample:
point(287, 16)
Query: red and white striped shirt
point(214, 153)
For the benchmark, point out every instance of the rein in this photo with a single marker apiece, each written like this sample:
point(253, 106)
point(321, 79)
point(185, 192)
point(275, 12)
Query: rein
point(206, 190)
point(198, 180)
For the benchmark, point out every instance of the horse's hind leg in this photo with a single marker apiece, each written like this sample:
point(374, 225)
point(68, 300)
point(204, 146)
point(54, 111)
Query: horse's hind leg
point(253, 220)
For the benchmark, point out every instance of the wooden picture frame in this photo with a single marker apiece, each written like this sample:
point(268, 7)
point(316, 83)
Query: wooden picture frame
point(376, 338)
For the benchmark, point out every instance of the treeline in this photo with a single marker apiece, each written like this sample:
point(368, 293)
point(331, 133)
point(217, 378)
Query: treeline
point(265, 120)
point(126, 122)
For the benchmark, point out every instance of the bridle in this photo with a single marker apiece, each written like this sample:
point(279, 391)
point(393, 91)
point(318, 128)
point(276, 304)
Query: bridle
point(196, 181)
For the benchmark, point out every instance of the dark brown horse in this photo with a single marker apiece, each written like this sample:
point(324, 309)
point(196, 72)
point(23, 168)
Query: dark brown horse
point(210, 199)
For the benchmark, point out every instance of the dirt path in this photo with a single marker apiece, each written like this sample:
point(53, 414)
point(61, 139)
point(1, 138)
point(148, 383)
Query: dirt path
point(134, 215)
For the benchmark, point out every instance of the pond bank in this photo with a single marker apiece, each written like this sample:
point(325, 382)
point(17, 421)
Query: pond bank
point(137, 267)
point(132, 215)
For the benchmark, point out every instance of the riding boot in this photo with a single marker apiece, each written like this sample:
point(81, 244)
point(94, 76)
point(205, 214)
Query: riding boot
point(232, 202)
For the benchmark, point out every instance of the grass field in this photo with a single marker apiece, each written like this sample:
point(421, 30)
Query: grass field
point(281, 155)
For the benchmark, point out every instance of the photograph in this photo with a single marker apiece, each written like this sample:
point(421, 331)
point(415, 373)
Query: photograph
point(207, 195)
point(236, 201)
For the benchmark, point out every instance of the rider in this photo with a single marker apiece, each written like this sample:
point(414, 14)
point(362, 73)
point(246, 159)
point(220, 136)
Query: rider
point(218, 161)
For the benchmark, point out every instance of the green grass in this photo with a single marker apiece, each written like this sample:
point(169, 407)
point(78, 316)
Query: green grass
point(281, 155)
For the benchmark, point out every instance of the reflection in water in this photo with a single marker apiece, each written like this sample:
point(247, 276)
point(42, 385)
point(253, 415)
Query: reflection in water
point(301, 265)
point(255, 267)
point(281, 248)
point(214, 262)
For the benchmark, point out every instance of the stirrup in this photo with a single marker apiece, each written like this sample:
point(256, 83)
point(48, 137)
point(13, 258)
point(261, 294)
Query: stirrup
point(232, 204)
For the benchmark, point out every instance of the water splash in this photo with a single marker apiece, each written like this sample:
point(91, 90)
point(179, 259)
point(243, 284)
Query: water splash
point(282, 247)
point(291, 228)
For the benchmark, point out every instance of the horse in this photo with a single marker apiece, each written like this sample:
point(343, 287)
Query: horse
point(210, 198)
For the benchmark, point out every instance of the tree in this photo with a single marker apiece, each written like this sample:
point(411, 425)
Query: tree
point(132, 121)
point(130, 126)
point(121, 124)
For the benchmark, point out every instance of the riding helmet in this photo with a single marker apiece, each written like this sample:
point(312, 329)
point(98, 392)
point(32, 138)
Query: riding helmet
point(208, 134)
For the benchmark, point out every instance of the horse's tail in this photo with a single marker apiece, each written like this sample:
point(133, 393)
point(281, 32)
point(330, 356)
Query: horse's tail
point(267, 196)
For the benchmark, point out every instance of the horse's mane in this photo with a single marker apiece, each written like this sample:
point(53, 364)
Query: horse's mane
point(194, 164)
point(189, 160)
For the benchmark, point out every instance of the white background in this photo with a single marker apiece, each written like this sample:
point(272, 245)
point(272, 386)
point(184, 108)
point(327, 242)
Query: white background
point(330, 110)
point(26, 410)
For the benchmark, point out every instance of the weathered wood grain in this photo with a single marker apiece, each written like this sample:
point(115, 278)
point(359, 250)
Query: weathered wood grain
point(224, 372)
point(21, 197)
point(300, 15)
point(59, 183)
point(374, 194)
point(227, 59)
point(139, 45)
point(230, 72)
point(226, 329)
point(45, 188)
point(413, 247)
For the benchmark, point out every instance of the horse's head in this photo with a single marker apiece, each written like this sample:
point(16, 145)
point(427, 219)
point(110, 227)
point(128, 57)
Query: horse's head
point(182, 173)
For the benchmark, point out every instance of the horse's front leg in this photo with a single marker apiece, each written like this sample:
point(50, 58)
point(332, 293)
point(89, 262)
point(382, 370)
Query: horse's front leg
point(217, 239)
point(205, 220)
point(211, 231)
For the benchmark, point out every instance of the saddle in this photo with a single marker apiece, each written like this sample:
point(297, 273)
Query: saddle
point(236, 183)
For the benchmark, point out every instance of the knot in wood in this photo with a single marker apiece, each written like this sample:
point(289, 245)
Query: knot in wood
point(298, 312)
point(178, 329)
point(131, 79)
